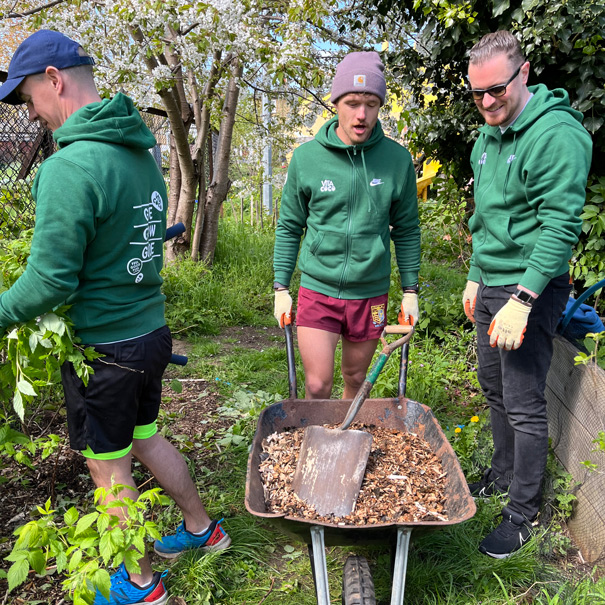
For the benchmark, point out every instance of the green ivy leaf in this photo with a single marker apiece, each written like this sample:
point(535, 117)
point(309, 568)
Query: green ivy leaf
point(26, 388)
point(17, 574)
point(71, 516)
point(37, 561)
point(85, 522)
point(52, 322)
point(75, 560)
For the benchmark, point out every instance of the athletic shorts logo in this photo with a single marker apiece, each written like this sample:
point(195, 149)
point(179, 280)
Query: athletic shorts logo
point(378, 315)
point(375, 182)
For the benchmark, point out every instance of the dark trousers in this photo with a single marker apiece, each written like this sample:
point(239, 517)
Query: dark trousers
point(513, 383)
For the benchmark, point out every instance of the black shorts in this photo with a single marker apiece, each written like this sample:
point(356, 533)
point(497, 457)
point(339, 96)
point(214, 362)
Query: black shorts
point(124, 392)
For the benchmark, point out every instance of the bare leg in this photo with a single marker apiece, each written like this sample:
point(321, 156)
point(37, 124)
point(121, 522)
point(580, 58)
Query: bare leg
point(170, 469)
point(356, 359)
point(317, 349)
point(106, 473)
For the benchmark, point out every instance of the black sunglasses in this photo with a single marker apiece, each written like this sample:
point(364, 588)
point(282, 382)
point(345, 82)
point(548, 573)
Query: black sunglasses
point(495, 91)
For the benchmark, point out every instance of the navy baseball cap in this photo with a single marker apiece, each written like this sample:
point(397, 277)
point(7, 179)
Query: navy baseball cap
point(35, 54)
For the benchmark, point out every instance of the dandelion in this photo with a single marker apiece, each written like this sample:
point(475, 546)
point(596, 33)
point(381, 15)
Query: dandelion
point(457, 430)
point(475, 419)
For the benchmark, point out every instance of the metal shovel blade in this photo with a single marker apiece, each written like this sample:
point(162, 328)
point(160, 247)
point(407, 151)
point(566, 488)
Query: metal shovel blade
point(330, 469)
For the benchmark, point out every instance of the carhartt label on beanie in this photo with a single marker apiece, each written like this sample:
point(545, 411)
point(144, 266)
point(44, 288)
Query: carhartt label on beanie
point(359, 72)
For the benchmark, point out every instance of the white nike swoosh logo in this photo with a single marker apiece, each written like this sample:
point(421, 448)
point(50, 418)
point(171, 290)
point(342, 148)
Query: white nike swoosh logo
point(374, 183)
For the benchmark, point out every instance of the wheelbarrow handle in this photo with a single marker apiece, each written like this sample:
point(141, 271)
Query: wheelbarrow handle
point(291, 361)
point(368, 383)
point(398, 329)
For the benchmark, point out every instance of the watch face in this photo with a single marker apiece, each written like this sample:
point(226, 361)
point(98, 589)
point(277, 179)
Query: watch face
point(524, 296)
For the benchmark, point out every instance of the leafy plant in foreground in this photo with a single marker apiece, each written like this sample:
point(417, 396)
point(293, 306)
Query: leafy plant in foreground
point(32, 353)
point(81, 544)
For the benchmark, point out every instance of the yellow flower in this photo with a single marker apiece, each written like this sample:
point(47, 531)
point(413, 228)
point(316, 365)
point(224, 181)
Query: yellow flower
point(457, 430)
point(475, 419)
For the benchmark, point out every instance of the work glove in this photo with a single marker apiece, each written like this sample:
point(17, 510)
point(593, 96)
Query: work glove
point(469, 299)
point(408, 316)
point(283, 308)
point(508, 326)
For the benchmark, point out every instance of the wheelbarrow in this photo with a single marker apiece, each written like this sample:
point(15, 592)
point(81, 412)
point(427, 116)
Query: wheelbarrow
point(398, 413)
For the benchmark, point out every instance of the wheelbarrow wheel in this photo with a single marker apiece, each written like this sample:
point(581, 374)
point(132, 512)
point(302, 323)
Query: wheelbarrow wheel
point(357, 583)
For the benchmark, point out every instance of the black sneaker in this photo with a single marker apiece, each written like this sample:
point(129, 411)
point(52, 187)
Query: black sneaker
point(484, 488)
point(508, 537)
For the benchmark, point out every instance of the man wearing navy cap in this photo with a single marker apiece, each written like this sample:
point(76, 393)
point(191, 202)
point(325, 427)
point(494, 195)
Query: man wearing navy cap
point(98, 247)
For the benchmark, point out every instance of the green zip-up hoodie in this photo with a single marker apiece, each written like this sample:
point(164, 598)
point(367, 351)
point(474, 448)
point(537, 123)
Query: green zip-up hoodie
point(100, 224)
point(530, 187)
point(343, 198)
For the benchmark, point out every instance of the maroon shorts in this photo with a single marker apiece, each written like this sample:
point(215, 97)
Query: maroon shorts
point(357, 320)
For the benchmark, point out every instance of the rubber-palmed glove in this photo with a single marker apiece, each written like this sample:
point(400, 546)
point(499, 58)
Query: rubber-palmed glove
point(283, 307)
point(508, 326)
point(469, 299)
point(408, 315)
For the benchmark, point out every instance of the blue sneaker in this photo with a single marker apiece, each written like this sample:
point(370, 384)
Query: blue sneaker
point(214, 538)
point(124, 592)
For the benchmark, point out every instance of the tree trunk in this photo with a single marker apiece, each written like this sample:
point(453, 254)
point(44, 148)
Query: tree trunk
point(202, 119)
point(180, 118)
point(175, 183)
point(219, 187)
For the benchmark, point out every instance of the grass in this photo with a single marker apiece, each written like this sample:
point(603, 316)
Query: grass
point(265, 566)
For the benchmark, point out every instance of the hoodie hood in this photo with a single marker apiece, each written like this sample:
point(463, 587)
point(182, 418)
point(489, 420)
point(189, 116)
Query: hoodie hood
point(328, 138)
point(543, 101)
point(110, 121)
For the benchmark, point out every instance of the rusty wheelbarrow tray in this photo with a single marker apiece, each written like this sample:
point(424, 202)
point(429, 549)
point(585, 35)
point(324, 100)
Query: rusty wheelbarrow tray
point(398, 413)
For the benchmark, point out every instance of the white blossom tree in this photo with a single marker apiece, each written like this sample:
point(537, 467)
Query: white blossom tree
point(192, 58)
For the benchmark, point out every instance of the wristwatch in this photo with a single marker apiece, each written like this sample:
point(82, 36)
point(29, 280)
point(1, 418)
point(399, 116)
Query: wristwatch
point(524, 297)
point(413, 288)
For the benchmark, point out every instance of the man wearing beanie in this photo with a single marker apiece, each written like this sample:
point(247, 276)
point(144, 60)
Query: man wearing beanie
point(97, 247)
point(349, 192)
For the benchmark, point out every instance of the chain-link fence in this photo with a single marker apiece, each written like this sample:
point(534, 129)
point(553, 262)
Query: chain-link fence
point(23, 146)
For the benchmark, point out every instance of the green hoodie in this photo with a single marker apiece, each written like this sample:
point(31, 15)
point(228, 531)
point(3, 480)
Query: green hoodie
point(343, 198)
point(100, 224)
point(530, 187)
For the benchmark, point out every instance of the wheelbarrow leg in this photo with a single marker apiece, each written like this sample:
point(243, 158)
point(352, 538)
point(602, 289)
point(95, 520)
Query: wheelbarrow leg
point(401, 565)
point(319, 566)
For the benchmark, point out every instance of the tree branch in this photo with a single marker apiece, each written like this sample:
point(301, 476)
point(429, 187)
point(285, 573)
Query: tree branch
point(31, 11)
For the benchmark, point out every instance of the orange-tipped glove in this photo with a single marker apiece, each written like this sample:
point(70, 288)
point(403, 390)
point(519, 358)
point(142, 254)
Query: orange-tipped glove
point(469, 299)
point(508, 326)
point(408, 316)
point(283, 308)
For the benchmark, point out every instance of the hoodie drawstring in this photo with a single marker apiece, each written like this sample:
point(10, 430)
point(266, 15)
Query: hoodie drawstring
point(364, 178)
point(510, 163)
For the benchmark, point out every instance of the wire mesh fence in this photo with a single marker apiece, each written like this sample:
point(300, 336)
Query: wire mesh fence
point(25, 145)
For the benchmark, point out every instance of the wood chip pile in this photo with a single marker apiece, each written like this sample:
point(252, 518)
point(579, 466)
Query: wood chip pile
point(404, 481)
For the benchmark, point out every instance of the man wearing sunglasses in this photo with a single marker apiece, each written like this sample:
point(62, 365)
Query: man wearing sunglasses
point(530, 164)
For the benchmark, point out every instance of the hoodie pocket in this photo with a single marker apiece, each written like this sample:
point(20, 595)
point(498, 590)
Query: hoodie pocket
point(370, 259)
point(323, 255)
point(493, 247)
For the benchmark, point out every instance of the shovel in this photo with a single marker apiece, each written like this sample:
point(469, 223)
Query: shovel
point(332, 462)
